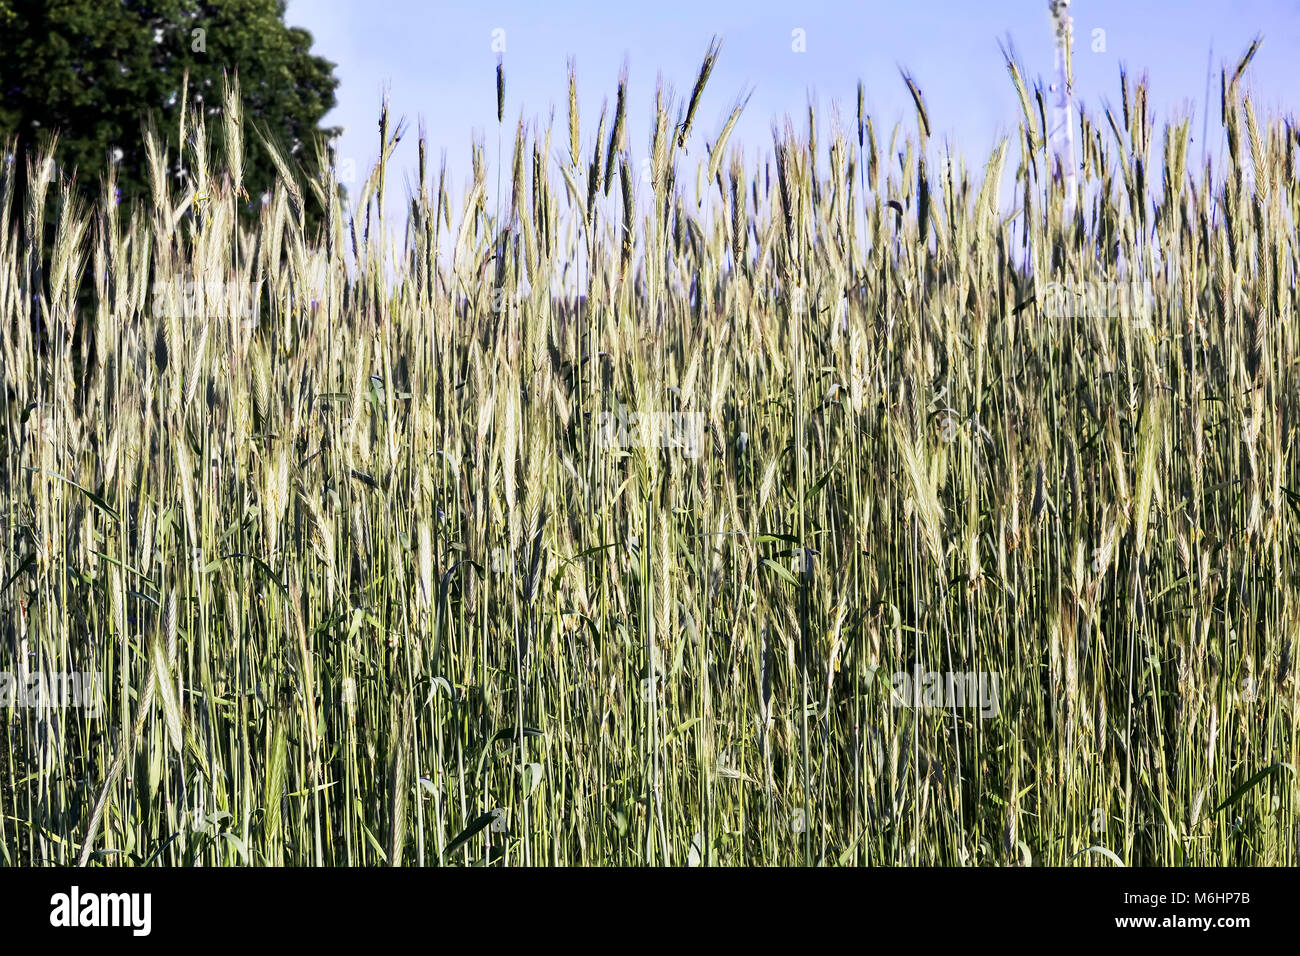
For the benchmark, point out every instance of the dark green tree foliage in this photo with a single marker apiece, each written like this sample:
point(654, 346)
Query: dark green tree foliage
point(96, 70)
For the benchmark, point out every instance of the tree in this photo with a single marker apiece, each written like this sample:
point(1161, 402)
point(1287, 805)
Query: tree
point(95, 70)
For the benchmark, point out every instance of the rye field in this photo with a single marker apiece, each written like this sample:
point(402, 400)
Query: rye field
point(627, 503)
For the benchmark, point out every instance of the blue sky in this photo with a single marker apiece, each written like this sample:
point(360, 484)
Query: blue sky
point(437, 60)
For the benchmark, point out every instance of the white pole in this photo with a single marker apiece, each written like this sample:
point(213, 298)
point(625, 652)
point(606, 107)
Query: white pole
point(1062, 132)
